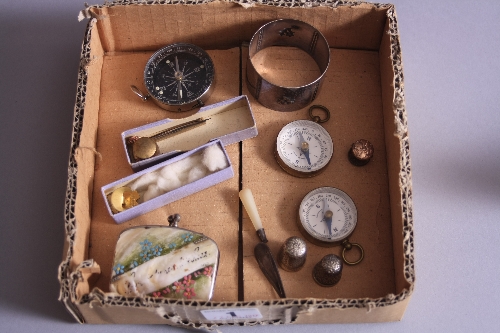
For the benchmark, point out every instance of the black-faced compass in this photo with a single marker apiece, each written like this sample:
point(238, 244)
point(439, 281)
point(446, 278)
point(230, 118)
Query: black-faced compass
point(178, 77)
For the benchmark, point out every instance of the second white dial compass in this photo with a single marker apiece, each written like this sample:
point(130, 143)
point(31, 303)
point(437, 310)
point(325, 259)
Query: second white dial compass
point(327, 217)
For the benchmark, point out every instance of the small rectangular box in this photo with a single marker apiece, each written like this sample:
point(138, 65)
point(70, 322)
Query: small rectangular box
point(173, 195)
point(230, 121)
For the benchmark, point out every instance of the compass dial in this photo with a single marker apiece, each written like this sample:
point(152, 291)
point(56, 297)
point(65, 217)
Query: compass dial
point(327, 216)
point(179, 77)
point(303, 148)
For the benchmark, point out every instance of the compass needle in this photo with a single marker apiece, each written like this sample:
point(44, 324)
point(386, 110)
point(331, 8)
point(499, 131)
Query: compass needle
point(179, 89)
point(327, 215)
point(304, 147)
point(325, 206)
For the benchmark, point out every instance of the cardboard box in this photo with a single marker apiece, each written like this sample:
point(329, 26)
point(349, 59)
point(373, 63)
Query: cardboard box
point(363, 90)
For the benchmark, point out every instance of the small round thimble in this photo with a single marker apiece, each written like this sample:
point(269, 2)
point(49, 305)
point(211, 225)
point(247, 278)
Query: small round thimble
point(361, 152)
point(328, 271)
point(292, 254)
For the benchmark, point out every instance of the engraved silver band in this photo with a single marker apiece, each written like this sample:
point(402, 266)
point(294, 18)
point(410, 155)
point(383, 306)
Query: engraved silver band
point(287, 32)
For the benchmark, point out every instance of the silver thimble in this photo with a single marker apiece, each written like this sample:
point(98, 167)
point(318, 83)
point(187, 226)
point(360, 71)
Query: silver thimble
point(292, 254)
point(328, 271)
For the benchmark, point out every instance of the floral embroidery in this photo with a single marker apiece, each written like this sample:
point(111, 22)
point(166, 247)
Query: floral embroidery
point(118, 269)
point(178, 286)
point(185, 287)
point(145, 256)
point(157, 251)
point(187, 281)
point(207, 271)
point(189, 293)
point(187, 237)
point(146, 245)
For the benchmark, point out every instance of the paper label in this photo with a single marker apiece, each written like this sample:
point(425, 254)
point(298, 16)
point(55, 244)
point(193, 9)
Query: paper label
point(232, 314)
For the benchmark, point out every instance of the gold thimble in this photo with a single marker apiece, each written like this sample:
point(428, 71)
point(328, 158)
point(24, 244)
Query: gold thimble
point(292, 254)
point(328, 271)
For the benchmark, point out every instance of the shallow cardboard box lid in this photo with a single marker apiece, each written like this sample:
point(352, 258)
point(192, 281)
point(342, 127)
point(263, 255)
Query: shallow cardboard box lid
point(354, 30)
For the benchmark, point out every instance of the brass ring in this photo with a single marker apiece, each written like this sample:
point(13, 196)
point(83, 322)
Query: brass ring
point(348, 246)
point(317, 119)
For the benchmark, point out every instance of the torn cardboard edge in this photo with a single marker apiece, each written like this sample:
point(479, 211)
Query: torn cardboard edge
point(362, 35)
point(70, 276)
point(88, 14)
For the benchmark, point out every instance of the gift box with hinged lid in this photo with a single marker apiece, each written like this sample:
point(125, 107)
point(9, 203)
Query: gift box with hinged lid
point(364, 91)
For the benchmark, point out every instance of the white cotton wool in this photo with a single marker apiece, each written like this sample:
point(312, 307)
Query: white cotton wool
point(141, 196)
point(169, 182)
point(168, 170)
point(214, 158)
point(152, 192)
point(181, 168)
point(197, 172)
point(143, 182)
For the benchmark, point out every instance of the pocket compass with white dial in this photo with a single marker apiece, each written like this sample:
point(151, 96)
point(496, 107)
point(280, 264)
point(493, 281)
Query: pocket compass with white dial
point(327, 217)
point(303, 147)
point(178, 77)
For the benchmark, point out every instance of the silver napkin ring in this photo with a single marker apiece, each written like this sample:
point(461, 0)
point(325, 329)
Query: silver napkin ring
point(287, 32)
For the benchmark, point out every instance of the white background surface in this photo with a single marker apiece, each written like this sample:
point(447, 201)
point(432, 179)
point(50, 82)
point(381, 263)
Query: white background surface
point(452, 81)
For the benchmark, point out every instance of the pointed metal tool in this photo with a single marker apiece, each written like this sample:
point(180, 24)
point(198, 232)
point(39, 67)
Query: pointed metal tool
point(262, 252)
point(269, 267)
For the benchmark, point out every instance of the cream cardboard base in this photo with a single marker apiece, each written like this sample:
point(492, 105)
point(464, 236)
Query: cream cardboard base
point(364, 92)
